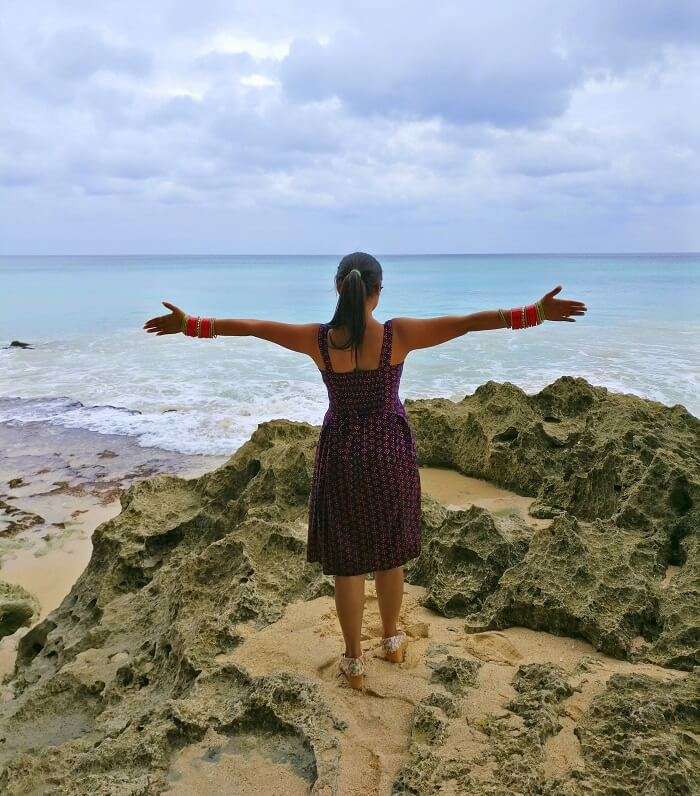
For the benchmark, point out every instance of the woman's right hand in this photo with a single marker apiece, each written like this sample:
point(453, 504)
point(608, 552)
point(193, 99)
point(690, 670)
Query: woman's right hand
point(560, 309)
point(166, 324)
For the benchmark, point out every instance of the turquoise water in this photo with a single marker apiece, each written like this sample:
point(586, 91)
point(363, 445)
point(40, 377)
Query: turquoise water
point(94, 367)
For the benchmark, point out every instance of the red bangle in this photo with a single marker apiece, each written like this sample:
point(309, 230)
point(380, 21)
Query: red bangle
point(205, 330)
point(191, 326)
point(524, 317)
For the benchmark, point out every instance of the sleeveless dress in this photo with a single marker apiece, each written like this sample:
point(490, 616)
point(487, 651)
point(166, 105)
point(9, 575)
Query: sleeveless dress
point(364, 502)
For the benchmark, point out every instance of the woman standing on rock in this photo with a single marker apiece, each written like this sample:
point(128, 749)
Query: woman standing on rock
point(364, 504)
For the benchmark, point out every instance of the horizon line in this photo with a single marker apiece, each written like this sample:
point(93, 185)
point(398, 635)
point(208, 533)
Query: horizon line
point(378, 254)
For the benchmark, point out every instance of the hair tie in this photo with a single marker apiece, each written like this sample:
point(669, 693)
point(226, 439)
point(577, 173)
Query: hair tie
point(355, 269)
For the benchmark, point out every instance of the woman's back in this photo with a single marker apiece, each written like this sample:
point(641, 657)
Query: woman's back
point(362, 390)
point(368, 353)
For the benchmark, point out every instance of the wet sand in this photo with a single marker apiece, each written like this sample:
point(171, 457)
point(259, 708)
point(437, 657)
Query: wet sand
point(56, 486)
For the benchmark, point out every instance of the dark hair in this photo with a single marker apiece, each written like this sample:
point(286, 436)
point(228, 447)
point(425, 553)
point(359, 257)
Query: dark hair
point(358, 275)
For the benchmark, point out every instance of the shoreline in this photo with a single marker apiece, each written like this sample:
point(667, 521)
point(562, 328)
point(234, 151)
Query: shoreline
point(47, 519)
point(56, 486)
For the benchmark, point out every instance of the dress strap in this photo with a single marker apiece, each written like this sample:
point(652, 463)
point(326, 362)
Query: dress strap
point(323, 345)
point(387, 340)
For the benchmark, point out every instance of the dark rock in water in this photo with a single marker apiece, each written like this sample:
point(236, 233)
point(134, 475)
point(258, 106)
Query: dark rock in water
point(19, 344)
point(133, 665)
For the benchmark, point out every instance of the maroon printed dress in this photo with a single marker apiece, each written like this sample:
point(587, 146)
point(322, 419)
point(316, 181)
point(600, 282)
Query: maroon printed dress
point(364, 504)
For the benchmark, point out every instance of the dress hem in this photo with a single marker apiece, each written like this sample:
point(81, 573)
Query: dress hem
point(380, 567)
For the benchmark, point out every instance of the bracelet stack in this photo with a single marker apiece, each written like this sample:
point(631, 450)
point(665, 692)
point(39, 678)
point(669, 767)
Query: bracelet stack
point(522, 317)
point(195, 326)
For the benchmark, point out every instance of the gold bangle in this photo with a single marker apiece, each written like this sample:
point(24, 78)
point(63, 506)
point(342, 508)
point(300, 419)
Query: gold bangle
point(502, 317)
point(540, 311)
point(183, 326)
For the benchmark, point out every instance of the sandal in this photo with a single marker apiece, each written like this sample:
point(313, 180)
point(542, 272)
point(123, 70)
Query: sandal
point(354, 670)
point(395, 647)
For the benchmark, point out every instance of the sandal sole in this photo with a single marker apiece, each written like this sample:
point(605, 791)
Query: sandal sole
point(398, 655)
point(355, 681)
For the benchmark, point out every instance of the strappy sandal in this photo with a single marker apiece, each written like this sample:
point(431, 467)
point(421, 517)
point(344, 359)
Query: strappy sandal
point(395, 647)
point(354, 670)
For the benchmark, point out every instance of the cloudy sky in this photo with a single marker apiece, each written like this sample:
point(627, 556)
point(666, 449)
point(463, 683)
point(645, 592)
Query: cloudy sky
point(322, 127)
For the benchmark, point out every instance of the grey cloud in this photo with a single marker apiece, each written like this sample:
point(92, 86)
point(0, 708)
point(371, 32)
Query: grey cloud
point(433, 74)
point(78, 53)
point(508, 64)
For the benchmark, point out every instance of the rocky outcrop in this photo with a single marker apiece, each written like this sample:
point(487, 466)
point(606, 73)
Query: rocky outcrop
point(619, 475)
point(135, 664)
point(106, 687)
point(17, 608)
point(464, 555)
point(637, 735)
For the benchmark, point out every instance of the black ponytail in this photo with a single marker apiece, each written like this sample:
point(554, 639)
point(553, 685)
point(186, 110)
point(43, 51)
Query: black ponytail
point(358, 275)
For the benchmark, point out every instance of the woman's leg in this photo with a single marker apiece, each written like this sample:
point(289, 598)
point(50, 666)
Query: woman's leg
point(350, 604)
point(389, 583)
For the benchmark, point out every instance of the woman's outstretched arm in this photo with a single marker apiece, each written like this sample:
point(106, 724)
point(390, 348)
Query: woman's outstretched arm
point(412, 333)
point(299, 337)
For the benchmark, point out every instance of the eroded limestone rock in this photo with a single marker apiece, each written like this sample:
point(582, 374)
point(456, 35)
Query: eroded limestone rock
point(131, 668)
point(619, 476)
point(464, 554)
point(17, 608)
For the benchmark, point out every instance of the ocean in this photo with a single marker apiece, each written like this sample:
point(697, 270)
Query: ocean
point(93, 367)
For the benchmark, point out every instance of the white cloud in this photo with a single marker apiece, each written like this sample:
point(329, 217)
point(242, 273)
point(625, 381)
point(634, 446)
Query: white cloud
point(349, 118)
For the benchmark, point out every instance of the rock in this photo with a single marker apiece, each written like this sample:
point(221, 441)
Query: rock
point(620, 478)
point(168, 581)
point(540, 687)
point(455, 672)
point(17, 608)
point(19, 520)
point(588, 581)
point(625, 458)
point(19, 344)
point(134, 664)
point(642, 734)
point(464, 554)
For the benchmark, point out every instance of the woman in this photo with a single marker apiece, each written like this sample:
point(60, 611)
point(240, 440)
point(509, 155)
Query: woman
point(364, 503)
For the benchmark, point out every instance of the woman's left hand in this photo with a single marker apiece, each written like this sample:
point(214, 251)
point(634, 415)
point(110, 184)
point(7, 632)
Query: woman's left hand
point(166, 324)
point(560, 309)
